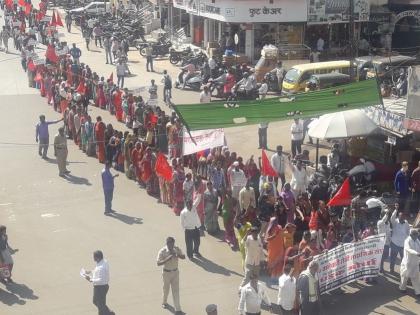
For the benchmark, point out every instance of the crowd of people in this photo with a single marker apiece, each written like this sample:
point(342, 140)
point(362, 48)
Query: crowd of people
point(275, 222)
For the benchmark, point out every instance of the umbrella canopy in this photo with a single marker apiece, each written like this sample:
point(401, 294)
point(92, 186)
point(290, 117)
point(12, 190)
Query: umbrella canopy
point(350, 123)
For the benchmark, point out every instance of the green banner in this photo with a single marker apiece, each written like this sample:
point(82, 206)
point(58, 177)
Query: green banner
point(303, 105)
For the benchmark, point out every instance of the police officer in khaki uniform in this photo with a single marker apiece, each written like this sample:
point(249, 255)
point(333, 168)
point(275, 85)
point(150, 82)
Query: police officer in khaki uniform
point(61, 152)
point(168, 258)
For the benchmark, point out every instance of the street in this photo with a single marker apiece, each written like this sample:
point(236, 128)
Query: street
point(57, 223)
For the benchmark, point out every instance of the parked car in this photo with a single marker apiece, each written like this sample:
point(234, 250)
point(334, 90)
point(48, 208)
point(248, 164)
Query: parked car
point(93, 8)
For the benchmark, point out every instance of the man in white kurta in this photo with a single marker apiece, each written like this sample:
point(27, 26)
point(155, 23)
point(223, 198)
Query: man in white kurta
point(409, 268)
point(299, 181)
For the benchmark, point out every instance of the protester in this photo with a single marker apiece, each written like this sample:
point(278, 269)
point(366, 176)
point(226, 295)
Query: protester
point(6, 254)
point(108, 186)
point(190, 222)
point(297, 137)
point(384, 227)
point(100, 280)
point(410, 263)
point(287, 291)
point(168, 258)
point(278, 162)
point(402, 183)
point(254, 255)
point(252, 295)
point(307, 290)
point(42, 135)
point(400, 232)
point(211, 201)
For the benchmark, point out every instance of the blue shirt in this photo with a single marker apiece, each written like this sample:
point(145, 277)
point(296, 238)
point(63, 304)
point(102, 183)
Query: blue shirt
point(107, 179)
point(42, 129)
point(402, 183)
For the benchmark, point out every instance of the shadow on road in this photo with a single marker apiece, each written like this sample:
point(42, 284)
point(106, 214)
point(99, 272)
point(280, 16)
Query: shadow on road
point(212, 267)
point(10, 299)
point(78, 180)
point(126, 218)
point(171, 309)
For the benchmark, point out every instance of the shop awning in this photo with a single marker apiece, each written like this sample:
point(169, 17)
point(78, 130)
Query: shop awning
point(303, 105)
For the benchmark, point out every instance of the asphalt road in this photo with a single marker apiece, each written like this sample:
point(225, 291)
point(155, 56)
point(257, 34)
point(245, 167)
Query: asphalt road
point(57, 223)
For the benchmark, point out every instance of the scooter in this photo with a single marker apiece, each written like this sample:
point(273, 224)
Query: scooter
point(193, 83)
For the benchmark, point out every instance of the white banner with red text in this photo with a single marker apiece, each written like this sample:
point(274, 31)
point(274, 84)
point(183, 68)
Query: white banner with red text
point(201, 140)
point(348, 262)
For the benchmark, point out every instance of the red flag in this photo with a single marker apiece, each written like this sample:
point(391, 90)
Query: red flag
point(53, 21)
point(51, 55)
point(9, 4)
point(58, 20)
point(343, 196)
point(162, 167)
point(22, 3)
point(28, 9)
point(111, 77)
point(266, 168)
point(39, 16)
point(38, 77)
point(31, 66)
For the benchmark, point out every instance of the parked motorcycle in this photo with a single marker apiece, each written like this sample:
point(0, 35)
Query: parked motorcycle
point(176, 56)
point(193, 83)
point(159, 49)
point(272, 82)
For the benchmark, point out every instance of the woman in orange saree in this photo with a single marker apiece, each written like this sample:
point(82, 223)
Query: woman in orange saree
point(275, 248)
point(100, 139)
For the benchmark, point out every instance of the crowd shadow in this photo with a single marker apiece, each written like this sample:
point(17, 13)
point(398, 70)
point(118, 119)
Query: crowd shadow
point(77, 180)
point(171, 310)
point(16, 293)
point(126, 218)
point(212, 267)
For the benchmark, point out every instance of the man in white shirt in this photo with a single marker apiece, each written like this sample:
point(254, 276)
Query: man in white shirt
point(375, 207)
point(191, 223)
point(410, 263)
point(299, 182)
point(262, 91)
point(168, 258)
point(100, 279)
point(254, 254)
point(307, 288)
point(278, 162)
point(205, 95)
point(297, 136)
point(320, 44)
point(384, 227)
point(237, 180)
point(247, 197)
point(400, 232)
point(212, 65)
point(252, 295)
point(287, 291)
point(247, 83)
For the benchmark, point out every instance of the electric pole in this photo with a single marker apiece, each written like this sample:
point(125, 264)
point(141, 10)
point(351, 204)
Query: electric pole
point(351, 40)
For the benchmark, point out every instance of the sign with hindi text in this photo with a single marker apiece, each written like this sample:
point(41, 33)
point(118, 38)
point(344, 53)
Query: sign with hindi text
point(201, 140)
point(348, 262)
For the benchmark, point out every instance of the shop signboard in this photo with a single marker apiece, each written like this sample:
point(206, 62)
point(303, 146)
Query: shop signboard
point(413, 93)
point(387, 120)
point(249, 11)
point(337, 11)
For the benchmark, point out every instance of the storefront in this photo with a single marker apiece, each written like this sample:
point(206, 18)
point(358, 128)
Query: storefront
point(329, 20)
point(279, 22)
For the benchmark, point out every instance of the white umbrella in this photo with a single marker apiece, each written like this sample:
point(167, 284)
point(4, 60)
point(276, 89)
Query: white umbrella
point(350, 123)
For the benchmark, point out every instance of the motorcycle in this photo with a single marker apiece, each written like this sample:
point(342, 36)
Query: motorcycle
point(159, 49)
point(216, 88)
point(177, 56)
point(198, 60)
point(193, 83)
point(272, 82)
point(239, 93)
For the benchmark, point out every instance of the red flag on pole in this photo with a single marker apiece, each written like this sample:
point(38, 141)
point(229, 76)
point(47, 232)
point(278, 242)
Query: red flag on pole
point(28, 9)
point(38, 77)
point(31, 66)
point(58, 19)
point(9, 4)
point(51, 55)
point(53, 21)
point(22, 3)
point(39, 16)
point(162, 167)
point(111, 77)
point(266, 168)
point(81, 88)
point(342, 196)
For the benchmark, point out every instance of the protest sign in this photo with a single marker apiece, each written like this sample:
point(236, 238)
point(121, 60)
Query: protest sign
point(348, 262)
point(201, 140)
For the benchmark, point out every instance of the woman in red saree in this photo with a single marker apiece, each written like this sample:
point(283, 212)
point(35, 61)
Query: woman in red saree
point(69, 75)
point(117, 99)
point(275, 248)
point(135, 160)
point(178, 192)
point(100, 139)
point(148, 176)
point(100, 95)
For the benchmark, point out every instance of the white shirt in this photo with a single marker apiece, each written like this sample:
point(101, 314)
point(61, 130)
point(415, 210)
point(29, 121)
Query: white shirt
point(100, 275)
point(287, 292)
point(278, 163)
point(120, 68)
point(374, 203)
point(263, 89)
point(247, 198)
point(410, 262)
point(212, 63)
point(385, 228)
point(205, 97)
point(250, 301)
point(254, 251)
point(399, 231)
point(320, 44)
point(189, 218)
point(237, 178)
point(297, 130)
point(299, 178)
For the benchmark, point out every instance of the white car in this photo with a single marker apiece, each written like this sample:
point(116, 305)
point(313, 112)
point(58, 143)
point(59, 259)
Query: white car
point(92, 8)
